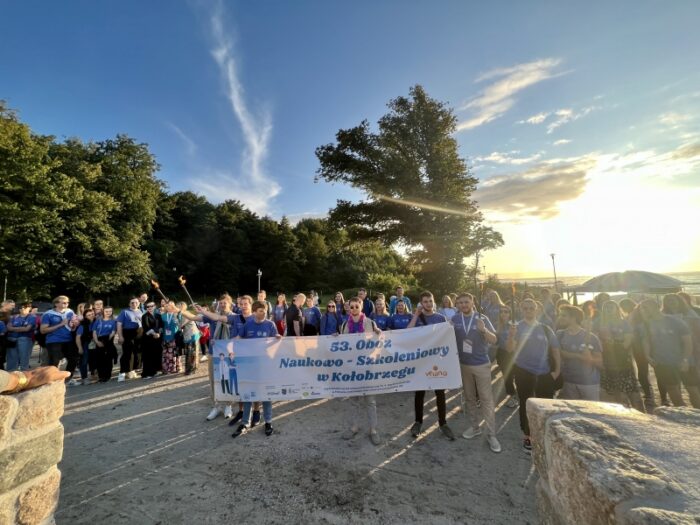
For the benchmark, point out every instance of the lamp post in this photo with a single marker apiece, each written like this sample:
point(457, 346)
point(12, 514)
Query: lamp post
point(4, 290)
point(259, 276)
point(554, 268)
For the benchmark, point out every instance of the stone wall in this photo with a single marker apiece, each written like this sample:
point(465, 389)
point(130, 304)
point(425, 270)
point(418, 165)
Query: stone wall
point(31, 445)
point(602, 463)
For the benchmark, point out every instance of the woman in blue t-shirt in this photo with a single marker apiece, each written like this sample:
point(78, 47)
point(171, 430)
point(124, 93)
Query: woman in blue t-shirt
point(330, 320)
point(104, 330)
point(20, 331)
point(401, 318)
point(380, 315)
point(279, 313)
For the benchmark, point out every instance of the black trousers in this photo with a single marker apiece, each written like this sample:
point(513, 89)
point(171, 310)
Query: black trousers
point(152, 354)
point(57, 351)
point(505, 362)
point(531, 385)
point(643, 370)
point(106, 357)
point(419, 400)
point(131, 348)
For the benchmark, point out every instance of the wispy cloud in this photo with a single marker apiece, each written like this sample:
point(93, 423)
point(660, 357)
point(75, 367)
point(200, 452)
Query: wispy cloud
point(673, 119)
point(499, 96)
point(190, 145)
point(510, 157)
point(251, 185)
point(558, 118)
point(561, 142)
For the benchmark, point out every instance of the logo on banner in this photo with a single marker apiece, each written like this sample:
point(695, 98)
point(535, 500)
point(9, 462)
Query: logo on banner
point(436, 372)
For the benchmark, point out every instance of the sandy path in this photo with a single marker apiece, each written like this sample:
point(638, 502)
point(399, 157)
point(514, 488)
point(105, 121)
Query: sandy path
point(141, 452)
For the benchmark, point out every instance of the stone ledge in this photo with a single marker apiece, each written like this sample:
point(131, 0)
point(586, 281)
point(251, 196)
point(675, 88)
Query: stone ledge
point(602, 463)
point(8, 411)
point(39, 407)
point(22, 461)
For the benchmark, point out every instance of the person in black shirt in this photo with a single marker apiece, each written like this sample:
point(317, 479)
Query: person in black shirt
point(294, 318)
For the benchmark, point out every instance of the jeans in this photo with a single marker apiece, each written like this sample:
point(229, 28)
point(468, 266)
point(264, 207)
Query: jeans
point(84, 359)
point(479, 377)
point(580, 392)
point(248, 412)
point(18, 357)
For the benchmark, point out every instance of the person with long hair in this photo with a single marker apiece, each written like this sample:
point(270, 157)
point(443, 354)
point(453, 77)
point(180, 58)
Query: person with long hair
point(675, 306)
point(330, 320)
point(190, 337)
point(85, 343)
point(279, 313)
point(447, 309)
point(151, 347)
point(339, 302)
point(504, 358)
point(618, 377)
point(380, 314)
point(401, 318)
point(104, 329)
point(171, 326)
point(493, 306)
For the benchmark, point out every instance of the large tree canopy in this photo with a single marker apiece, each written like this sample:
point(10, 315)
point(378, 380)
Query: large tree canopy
point(419, 190)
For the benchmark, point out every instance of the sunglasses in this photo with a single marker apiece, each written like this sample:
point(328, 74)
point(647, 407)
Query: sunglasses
point(331, 306)
point(356, 307)
point(150, 306)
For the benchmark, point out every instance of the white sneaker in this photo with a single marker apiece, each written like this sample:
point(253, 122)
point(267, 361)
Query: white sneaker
point(131, 375)
point(86, 381)
point(228, 412)
point(494, 445)
point(471, 433)
point(215, 412)
point(73, 382)
point(121, 378)
point(203, 358)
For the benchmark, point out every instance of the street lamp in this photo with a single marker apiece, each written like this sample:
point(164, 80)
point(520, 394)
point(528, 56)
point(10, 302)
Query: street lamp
point(554, 268)
point(259, 276)
point(4, 291)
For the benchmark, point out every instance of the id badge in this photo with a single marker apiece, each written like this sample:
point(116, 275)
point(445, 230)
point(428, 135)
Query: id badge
point(168, 332)
point(467, 346)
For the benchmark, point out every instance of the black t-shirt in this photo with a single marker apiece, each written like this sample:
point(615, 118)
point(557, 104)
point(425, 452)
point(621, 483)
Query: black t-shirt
point(293, 314)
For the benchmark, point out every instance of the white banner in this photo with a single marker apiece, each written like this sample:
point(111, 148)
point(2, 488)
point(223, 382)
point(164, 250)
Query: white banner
point(273, 369)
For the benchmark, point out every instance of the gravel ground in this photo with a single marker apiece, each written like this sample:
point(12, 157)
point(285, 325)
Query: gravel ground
point(141, 452)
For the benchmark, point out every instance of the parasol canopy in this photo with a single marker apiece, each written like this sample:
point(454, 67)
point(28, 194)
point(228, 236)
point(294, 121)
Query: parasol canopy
point(631, 281)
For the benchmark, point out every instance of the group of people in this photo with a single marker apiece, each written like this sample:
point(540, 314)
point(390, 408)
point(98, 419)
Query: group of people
point(544, 346)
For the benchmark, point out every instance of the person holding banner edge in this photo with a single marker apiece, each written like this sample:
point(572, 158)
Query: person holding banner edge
point(426, 315)
point(358, 323)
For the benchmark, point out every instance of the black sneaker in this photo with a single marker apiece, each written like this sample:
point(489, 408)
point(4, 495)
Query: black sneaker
point(242, 429)
point(256, 418)
point(527, 445)
point(447, 432)
point(235, 419)
point(415, 429)
point(268, 429)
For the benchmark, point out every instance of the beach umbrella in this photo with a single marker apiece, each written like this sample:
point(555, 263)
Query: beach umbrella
point(632, 281)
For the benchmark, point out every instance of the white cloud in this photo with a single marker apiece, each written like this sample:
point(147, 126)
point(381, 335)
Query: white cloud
point(561, 142)
point(508, 158)
point(190, 145)
point(497, 98)
point(558, 118)
point(673, 119)
point(535, 119)
point(252, 186)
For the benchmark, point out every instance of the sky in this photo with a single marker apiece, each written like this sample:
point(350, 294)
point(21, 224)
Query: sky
point(581, 121)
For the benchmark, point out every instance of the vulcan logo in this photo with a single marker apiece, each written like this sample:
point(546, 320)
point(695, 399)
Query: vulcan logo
point(436, 372)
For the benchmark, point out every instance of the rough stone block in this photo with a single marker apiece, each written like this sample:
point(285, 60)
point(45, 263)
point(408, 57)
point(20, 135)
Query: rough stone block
point(8, 410)
point(40, 407)
point(27, 459)
point(8, 508)
point(546, 512)
point(682, 415)
point(592, 469)
point(38, 502)
point(651, 516)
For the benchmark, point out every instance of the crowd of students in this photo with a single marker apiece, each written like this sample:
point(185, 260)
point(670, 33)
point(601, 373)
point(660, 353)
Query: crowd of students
point(543, 348)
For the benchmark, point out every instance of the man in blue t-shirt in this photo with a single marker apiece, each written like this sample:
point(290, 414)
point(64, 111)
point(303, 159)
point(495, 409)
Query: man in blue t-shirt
point(533, 344)
point(312, 318)
point(58, 326)
point(367, 304)
point(426, 315)
point(399, 298)
point(257, 326)
point(581, 357)
point(668, 345)
point(474, 334)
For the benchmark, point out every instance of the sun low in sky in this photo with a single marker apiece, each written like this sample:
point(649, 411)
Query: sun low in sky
point(582, 122)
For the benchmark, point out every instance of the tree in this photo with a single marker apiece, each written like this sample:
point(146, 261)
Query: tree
point(418, 188)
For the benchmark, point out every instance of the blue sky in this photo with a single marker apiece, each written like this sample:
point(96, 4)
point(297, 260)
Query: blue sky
point(564, 109)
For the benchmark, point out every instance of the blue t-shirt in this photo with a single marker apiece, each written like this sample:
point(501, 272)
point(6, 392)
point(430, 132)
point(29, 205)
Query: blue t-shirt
point(252, 329)
point(330, 324)
point(130, 319)
point(395, 300)
point(430, 319)
point(469, 336)
point(574, 370)
point(312, 316)
point(63, 334)
point(665, 336)
point(532, 344)
point(3, 328)
point(278, 312)
point(400, 321)
point(104, 328)
point(383, 321)
point(367, 307)
point(17, 321)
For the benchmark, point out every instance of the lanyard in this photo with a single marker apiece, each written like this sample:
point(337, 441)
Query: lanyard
point(471, 320)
